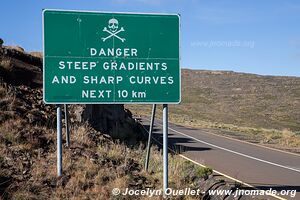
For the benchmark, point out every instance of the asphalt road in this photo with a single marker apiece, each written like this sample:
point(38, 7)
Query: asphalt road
point(260, 167)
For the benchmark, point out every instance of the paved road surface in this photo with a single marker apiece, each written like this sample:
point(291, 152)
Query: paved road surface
point(258, 166)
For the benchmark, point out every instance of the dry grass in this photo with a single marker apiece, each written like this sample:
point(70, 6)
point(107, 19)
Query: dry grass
point(281, 139)
point(181, 171)
point(92, 166)
point(259, 109)
point(90, 170)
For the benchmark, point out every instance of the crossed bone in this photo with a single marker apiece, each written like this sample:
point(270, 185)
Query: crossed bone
point(113, 34)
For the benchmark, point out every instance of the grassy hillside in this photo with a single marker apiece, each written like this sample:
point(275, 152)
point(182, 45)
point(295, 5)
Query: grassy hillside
point(262, 109)
point(92, 166)
point(242, 99)
point(96, 161)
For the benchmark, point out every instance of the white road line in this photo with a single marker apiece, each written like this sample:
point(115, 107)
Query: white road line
point(246, 142)
point(234, 152)
point(229, 177)
point(222, 174)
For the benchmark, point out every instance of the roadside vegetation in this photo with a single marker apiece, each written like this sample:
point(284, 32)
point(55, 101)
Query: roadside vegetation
point(284, 139)
point(93, 165)
point(254, 108)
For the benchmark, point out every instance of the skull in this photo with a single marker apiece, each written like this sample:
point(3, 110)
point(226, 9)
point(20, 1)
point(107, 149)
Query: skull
point(113, 25)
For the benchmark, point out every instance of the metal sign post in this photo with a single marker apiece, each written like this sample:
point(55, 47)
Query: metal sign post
point(165, 147)
point(59, 141)
point(149, 137)
point(67, 126)
point(110, 58)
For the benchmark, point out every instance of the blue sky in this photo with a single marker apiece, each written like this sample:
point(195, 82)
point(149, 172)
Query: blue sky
point(261, 37)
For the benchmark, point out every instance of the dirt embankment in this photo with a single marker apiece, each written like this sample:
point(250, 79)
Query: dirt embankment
point(104, 153)
point(24, 71)
point(27, 139)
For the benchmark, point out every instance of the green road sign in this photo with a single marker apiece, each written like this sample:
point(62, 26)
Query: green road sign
point(95, 57)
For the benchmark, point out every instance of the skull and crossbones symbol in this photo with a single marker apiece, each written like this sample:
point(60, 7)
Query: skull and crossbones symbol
point(113, 26)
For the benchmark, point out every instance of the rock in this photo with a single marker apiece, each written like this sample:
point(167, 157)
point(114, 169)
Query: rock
point(18, 67)
point(24, 70)
point(113, 120)
point(37, 54)
point(18, 48)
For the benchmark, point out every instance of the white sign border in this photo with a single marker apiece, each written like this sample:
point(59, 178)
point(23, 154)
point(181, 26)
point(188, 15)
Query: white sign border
point(118, 102)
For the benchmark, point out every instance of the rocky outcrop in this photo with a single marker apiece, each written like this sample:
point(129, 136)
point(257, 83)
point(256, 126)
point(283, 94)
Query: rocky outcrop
point(20, 68)
point(24, 70)
point(114, 120)
point(26, 103)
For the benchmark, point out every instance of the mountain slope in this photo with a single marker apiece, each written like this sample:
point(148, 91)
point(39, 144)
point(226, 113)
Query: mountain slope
point(255, 108)
point(242, 99)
